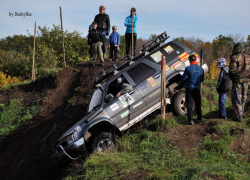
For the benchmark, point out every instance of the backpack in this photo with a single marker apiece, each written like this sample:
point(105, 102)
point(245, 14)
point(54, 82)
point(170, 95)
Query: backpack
point(246, 67)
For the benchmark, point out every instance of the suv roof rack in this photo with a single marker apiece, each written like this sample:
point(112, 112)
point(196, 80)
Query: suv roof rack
point(138, 54)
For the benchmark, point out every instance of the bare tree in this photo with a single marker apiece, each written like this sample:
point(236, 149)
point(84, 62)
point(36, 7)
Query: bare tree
point(237, 38)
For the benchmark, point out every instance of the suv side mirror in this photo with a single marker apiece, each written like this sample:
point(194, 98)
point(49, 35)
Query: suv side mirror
point(109, 97)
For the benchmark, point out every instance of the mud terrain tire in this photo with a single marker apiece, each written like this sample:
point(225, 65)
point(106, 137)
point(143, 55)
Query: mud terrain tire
point(102, 141)
point(178, 104)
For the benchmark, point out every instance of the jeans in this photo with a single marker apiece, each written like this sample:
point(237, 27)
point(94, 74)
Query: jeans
point(103, 41)
point(222, 109)
point(193, 100)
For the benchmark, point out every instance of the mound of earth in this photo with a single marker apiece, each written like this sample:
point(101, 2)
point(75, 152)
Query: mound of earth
point(26, 152)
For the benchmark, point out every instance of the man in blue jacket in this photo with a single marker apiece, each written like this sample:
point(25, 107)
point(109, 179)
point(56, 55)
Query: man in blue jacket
point(193, 75)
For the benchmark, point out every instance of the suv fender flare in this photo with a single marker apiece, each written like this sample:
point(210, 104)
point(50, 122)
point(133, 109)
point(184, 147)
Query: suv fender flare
point(172, 75)
point(108, 123)
point(173, 84)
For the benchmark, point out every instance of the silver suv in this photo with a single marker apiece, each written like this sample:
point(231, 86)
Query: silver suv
point(109, 115)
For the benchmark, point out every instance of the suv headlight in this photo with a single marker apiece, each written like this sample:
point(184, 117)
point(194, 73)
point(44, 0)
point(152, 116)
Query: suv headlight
point(71, 138)
point(74, 136)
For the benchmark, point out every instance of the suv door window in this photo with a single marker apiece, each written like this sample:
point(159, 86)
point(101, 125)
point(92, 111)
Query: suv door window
point(124, 108)
point(140, 72)
point(147, 82)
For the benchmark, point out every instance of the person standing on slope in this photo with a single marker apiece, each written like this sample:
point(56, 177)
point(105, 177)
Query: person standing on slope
point(193, 75)
point(223, 87)
point(239, 72)
point(103, 24)
point(128, 35)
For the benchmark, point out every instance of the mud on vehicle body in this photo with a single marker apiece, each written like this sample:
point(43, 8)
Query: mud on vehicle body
point(108, 116)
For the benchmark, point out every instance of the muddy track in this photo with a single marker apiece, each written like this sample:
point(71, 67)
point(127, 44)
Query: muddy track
point(26, 152)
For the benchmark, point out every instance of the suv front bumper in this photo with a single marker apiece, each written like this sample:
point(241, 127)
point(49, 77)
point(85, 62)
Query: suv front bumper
point(73, 151)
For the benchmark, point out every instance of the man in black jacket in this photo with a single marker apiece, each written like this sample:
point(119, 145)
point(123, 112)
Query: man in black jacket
point(95, 37)
point(103, 24)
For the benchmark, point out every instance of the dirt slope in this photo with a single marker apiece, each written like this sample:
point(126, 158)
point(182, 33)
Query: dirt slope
point(25, 153)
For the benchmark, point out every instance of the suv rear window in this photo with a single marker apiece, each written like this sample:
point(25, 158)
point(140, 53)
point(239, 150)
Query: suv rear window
point(176, 52)
point(170, 51)
point(140, 72)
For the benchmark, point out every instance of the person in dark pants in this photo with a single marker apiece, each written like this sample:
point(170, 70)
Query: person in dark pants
point(114, 43)
point(95, 37)
point(128, 35)
point(103, 24)
point(193, 75)
point(223, 87)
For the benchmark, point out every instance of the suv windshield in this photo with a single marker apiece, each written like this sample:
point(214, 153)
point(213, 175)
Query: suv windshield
point(96, 99)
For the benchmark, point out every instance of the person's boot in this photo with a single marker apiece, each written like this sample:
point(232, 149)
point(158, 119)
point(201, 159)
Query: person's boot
point(102, 63)
point(93, 64)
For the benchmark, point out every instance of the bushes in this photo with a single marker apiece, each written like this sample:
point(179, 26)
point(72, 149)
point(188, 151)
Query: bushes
point(4, 81)
point(16, 53)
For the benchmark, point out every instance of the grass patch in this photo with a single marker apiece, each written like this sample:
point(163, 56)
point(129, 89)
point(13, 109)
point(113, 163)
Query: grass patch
point(14, 115)
point(16, 84)
point(45, 72)
point(154, 155)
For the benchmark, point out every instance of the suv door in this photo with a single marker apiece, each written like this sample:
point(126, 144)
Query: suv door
point(146, 77)
point(125, 107)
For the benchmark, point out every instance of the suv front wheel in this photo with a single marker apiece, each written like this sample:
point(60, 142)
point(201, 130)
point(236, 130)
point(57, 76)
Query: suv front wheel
point(178, 103)
point(103, 141)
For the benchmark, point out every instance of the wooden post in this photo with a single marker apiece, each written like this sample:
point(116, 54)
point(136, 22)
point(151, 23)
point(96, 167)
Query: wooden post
point(201, 63)
point(62, 38)
point(33, 76)
point(163, 87)
point(210, 102)
point(132, 46)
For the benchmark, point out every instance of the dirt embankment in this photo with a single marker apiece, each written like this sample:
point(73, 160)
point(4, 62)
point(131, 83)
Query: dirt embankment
point(26, 152)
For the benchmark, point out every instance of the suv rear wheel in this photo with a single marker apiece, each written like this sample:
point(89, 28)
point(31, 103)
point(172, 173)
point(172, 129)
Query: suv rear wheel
point(103, 141)
point(179, 105)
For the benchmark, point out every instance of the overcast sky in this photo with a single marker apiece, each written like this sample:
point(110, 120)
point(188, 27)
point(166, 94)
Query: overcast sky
point(194, 18)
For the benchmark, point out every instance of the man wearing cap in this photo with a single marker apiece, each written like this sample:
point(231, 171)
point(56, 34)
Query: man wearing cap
point(239, 72)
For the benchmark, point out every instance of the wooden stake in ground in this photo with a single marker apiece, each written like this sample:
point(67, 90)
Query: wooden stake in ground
point(132, 12)
point(62, 38)
point(33, 66)
point(210, 102)
point(163, 87)
point(201, 63)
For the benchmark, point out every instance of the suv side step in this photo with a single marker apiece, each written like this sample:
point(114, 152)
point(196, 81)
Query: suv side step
point(142, 115)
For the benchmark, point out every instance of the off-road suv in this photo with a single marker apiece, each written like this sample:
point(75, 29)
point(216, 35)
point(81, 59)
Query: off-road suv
point(109, 115)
